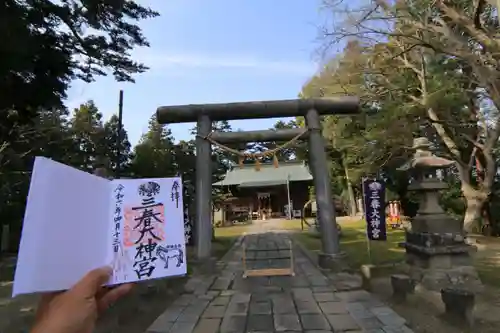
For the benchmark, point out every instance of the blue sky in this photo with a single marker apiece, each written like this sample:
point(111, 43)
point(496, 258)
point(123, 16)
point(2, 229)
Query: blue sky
point(214, 51)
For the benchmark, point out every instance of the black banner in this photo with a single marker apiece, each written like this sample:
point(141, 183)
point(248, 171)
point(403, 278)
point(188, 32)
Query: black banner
point(374, 202)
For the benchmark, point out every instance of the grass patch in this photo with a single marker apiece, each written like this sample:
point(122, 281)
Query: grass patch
point(488, 271)
point(232, 231)
point(487, 260)
point(353, 242)
point(221, 245)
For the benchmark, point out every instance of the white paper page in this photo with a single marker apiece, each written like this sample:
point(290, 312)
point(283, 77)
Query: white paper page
point(65, 228)
point(146, 237)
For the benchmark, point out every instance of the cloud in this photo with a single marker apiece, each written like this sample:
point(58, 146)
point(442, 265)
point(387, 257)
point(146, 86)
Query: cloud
point(213, 61)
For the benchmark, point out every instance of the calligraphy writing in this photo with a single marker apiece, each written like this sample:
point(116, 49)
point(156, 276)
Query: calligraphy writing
point(149, 216)
point(175, 193)
point(375, 209)
point(145, 220)
point(117, 217)
point(144, 259)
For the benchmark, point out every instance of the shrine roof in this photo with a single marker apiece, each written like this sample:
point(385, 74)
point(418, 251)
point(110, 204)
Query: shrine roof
point(268, 175)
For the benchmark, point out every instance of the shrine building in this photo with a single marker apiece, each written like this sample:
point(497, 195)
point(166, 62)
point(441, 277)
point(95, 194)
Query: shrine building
point(263, 193)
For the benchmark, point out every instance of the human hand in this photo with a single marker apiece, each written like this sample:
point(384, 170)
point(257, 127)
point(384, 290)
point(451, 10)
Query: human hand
point(76, 310)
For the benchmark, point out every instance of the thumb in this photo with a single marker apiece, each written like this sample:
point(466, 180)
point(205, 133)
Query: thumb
point(92, 281)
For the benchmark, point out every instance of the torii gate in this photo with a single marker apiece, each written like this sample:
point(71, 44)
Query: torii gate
point(311, 109)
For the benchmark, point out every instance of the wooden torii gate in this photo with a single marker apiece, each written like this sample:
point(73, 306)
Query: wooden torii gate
point(311, 109)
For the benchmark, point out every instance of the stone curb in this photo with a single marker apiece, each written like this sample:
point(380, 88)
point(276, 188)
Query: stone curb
point(196, 274)
point(233, 247)
point(309, 255)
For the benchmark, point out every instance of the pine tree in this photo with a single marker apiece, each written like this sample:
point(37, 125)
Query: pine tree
point(88, 132)
point(112, 147)
point(154, 155)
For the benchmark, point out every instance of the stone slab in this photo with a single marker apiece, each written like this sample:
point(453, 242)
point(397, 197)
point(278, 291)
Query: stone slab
point(214, 311)
point(161, 325)
point(354, 296)
point(207, 326)
point(325, 297)
point(241, 297)
point(193, 312)
point(388, 317)
point(333, 307)
point(314, 322)
point(402, 329)
point(260, 322)
point(183, 327)
point(303, 294)
point(307, 307)
point(233, 324)
point(283, 305)
point(221, 300)
point(323, 289)
point(184, 300)
point(263, 307)
point(240, 308)
point(370, 323)
point(221, 283)
point(172, 313)
point(287, 322)
point(342, 322)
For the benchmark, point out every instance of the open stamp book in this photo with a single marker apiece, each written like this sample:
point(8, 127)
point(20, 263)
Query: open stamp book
point(75, 222)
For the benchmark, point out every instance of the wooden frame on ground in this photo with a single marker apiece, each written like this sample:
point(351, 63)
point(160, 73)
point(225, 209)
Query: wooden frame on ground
point(286, 271)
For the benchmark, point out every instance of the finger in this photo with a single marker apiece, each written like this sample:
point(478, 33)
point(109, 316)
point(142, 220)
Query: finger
point(48, 297)
point(92, 282)
point(102, 291)
point(113, 295)
point(44, 303)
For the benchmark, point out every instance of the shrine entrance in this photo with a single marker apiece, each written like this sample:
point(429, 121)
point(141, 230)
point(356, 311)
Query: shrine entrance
point(310, 109)
point(264, 209)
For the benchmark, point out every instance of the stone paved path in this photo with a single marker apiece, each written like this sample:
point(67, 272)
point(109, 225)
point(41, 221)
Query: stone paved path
point(306, 302)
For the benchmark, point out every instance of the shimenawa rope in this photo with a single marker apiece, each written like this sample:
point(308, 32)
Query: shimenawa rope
point(255, 156)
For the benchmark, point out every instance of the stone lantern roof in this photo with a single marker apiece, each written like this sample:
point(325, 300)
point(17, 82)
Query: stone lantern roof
point(424, 158)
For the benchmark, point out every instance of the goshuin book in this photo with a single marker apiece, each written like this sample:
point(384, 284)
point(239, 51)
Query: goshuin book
point(75, 222)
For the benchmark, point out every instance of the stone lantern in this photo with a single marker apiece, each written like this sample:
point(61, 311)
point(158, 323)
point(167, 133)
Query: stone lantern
point(435, 246)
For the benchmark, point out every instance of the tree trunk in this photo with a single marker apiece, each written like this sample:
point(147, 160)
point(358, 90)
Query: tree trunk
point(475, 201)
point(359, 202)
point(350, 193)
point(486, 211)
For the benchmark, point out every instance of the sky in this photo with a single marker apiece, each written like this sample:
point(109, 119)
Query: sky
point(213, 51)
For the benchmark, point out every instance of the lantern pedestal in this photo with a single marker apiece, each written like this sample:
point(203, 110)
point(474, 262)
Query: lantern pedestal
point(440, 260)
